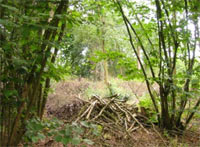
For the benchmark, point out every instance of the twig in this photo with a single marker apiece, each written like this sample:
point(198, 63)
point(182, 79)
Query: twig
point(104, 108)
point(132, 125)
point(91, 108)
point(125, 124)
point(122, 111)
point(83, 113)
point(138, 123)
point(155, 130)
point(133, 129)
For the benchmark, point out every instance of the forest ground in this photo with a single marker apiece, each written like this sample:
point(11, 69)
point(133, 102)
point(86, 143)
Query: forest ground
point(69, 92)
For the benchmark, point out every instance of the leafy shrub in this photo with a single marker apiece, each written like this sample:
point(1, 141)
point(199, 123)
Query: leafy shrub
point(60, 132)
point(97, 89)
point(115, 87)
point(146, 105)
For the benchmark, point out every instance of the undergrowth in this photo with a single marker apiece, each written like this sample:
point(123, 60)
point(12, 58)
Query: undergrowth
point(73, 133)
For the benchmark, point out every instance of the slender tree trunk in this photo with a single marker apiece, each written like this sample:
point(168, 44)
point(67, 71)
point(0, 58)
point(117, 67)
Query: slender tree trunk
point(105, 64)
point(48, 81)
point(138, 64)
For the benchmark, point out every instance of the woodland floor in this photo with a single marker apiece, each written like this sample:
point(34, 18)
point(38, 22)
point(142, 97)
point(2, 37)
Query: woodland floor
point(66, 96)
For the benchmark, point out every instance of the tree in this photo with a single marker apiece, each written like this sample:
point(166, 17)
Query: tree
point(30, 30)
point(92, 42)
point(175, 45)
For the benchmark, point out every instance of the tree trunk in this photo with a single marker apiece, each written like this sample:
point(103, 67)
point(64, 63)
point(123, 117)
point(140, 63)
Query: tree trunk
point(105, 64)
point(138, 64)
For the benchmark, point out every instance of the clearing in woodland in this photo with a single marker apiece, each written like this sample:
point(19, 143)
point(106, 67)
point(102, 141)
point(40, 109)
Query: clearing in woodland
point(70, 101)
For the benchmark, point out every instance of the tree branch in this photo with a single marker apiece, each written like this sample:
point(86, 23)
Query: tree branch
point(138, 58)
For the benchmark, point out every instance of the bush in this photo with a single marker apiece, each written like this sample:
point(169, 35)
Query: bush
point(147, 109)
point(64, 133)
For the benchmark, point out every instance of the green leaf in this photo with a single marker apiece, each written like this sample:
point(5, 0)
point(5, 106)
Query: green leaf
point(97, 129)
point(8, 93)
point(65, 140)
point(68, 131)
point(58, 138)
point(76, 140)
point(62, 132)
point(78, 130)
point(90, 18)
point(10, 7)
point(85, 124)
point(49, 134)
point(41, 136)
point(69, 25)
point(35, 139)
point(38, 126)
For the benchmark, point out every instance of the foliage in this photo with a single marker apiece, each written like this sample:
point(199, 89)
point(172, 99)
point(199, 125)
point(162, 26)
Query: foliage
point(170, 55)
point(146, 105)
point(30, 38)
point(99, 88)
point(83, 49)
point(75, 52)
point(45, 40)
point(63, 133)
point(115, 88)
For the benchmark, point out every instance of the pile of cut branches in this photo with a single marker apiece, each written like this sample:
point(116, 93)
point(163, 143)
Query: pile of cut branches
point(112, 114)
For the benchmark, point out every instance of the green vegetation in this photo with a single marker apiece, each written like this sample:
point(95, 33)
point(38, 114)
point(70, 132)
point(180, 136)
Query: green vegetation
point(66, 134)
point(154, 41)
point(115, 88)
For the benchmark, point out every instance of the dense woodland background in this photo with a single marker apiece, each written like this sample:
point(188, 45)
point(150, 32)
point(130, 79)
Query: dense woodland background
point(44, 41)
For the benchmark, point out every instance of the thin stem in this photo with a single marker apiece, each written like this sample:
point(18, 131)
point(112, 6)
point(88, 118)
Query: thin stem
point(138, 58)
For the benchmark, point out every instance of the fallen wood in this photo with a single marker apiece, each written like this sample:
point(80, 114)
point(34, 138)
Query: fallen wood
point(115, 116)
point(111, 114)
